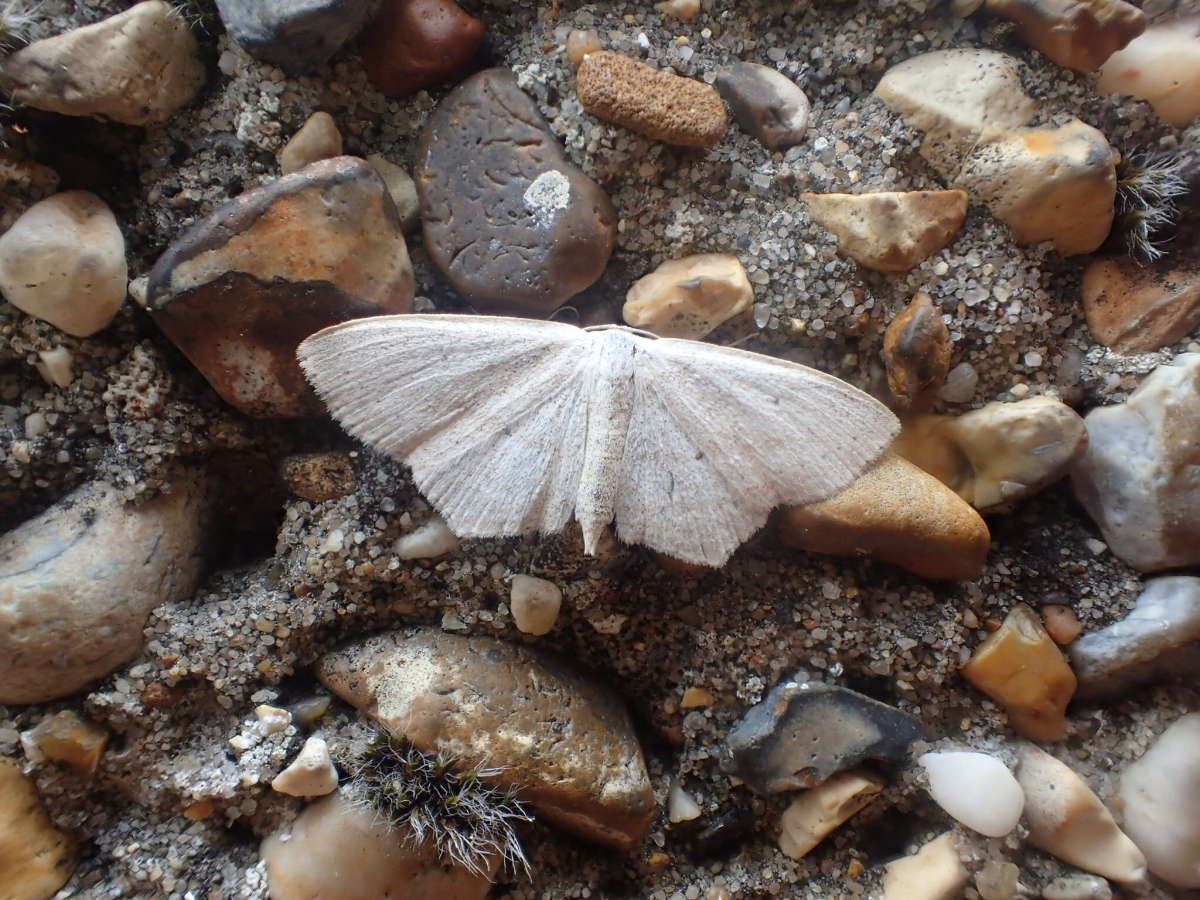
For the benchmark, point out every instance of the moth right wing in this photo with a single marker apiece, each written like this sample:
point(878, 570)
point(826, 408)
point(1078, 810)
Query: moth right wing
point(490, 413)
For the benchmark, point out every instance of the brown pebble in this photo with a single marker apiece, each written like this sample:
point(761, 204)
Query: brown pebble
point(916, 349)
point(1061, 623)
point(660, 105)
point(415, 44)
point(199, 811)
point(581, 42)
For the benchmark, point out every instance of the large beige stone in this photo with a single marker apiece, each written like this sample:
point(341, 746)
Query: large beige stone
point(136, 67)
point(896, 513)
point(36, 858)
point(1136, 308)
point(1078, 34)
point(77, 582)
point(1162, 66)
point(690, 296)
point(563, 739)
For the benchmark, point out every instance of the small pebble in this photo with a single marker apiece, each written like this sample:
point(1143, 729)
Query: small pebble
point(318, 138)
point(429, 541)
point(689, 297)
point(766, 104)
point(975, 789)
point(815, 813)
point(934, 872)
point(581, 42)
point(680, 805)
point(310, 774)
point(535, 603)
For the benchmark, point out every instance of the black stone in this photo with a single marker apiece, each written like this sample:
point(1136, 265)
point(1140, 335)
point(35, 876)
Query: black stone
point(296, 35)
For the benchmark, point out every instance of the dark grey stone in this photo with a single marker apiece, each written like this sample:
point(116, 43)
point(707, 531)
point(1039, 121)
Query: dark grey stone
point(296, 35)
point(767, 105)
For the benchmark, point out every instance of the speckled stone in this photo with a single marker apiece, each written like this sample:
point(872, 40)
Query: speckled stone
point(415, 44)
point(296, 35)
point(1135, 308)
point(319, 476)
point(916, 349)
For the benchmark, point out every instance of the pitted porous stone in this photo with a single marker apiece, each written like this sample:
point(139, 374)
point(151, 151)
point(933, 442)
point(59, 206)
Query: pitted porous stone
point(564, 740)
point(805, 731)
point(240, 289)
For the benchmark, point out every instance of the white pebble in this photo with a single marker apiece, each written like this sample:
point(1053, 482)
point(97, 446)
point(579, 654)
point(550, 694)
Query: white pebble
point(55, 366)
point(311, 773)
point(960, 384)
point(535, 603)
point(976, 789)
point(680, 806)
point(431, 540)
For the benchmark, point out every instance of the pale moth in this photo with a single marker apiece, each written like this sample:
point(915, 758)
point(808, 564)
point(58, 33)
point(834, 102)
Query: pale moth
point(510, 426)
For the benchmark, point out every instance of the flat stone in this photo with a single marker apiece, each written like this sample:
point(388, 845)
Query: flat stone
point(319, 476)
point(317, 139)
point(890, 231)
point(766, 104)
point(660, 105)
point(1162, 66)
point(805, 731)
point(508, 219)
point(415, 44)
point(1135, 308)
point(296, 35)
point(689, 297)
point(78, 581)
point(817, 812)
point(565, 740)
point(1158, 640)
point(63, 261)
point(896, 513)
point(1078, 34)
point(916, 349)
point(136, 67)
point(241, 288)
point(36, 859)
point(1138, 479)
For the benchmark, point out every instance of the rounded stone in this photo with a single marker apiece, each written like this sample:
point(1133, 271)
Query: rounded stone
point(36, 859)
point(766, 104)
point(414, 44)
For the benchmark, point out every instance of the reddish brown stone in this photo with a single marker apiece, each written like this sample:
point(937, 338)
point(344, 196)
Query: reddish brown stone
point(414, 44)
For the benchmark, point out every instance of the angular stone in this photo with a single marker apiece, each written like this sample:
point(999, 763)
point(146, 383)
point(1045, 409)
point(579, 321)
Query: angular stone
point(36, 859)
point(310, 774)
point(240, 289)
point(1158, 640)
point(896, 513)
point(78, 581)
point(63, 261)
point(1162, 66)
point(68, 739)
point(508, 219)
point(1138, 479)
point(319, 476)
point(916, 349)
point(415, 44)
point(813, 815)
point(690, 296)
point(1021, 668)
point(296, 35)
point(1078, 34)
point(934, 872)
point(766, 104)
point(660, 105)
point(1047, 184)
point(805, 731)
point(136, 67)
point(563, 739)
point(402, 189)
point(317, 139)
point(1135, 308)
point(890, 231)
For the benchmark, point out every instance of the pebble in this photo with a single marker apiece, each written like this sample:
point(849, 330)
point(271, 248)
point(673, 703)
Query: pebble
point(1077, 887)
point(680, 805)
point(1065, 818)
point(318, 477)
point(415, 44)
point(890, 231)
point(896, 513)
point(916, 349)
point(339, 849)
point(310, 774)
point(1158, 640)
point(63, 261)
point(690, 296)
point(492, 703)
point(935, 872)
point(1159, 794)
point(684, 10)
point(56, 366)
point(581, 42)
point(961, 383)
point(90, 565)
point(766, 104)
point(660, 105)
point(1021, 668)
point(1000, 453)
point(36, 859)
point(1133, 307)
point(525, 247)
point(136, 67)
point(242, 287)
point(813, 815)
point(804, 732)
point(1078, 35)
point(1162, 66)
point(428, 541)
point(534, 603)
point(1061, 624)
point(66, 738)
point(318, 138)
point(402, 189)
point(1138, 480)
point(299, 37)
point(975, 789)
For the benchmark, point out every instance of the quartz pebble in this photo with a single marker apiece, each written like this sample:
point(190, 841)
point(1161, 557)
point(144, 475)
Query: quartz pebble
point(680, 805)
point(1077, 887)
point(1066, 819)
point(581, 42)
point(689, 297)
point(1075, 34)
point(1021, 668)
point(56, 366)
point(766, 104)
point(1162, 66)
point(1134, 308)
point(976, 789)
point(319, 476)
point(890, 231)
point(1159, 639)
point(66, 738)
point(998, 880)
point(659, 105)
point(415, 44)
point(916, 349)
point(36, 859)
point(428, 541)
point(1159, 794)
point(813, 815)
point(318, 138)
point(310, 774)
point(63, 261)
point(804, 732)
point(935, 872)
point(296, 36)
point(897, 513)
point(1138, 480)
point(401, 188)
point(535, 603)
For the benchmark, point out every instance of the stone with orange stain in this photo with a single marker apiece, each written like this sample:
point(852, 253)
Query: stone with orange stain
point(241, 288)
point(1078, 34)
point(1162, 67)
point(1135, 308)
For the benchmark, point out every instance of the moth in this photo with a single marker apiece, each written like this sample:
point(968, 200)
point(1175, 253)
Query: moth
point(511, 426)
